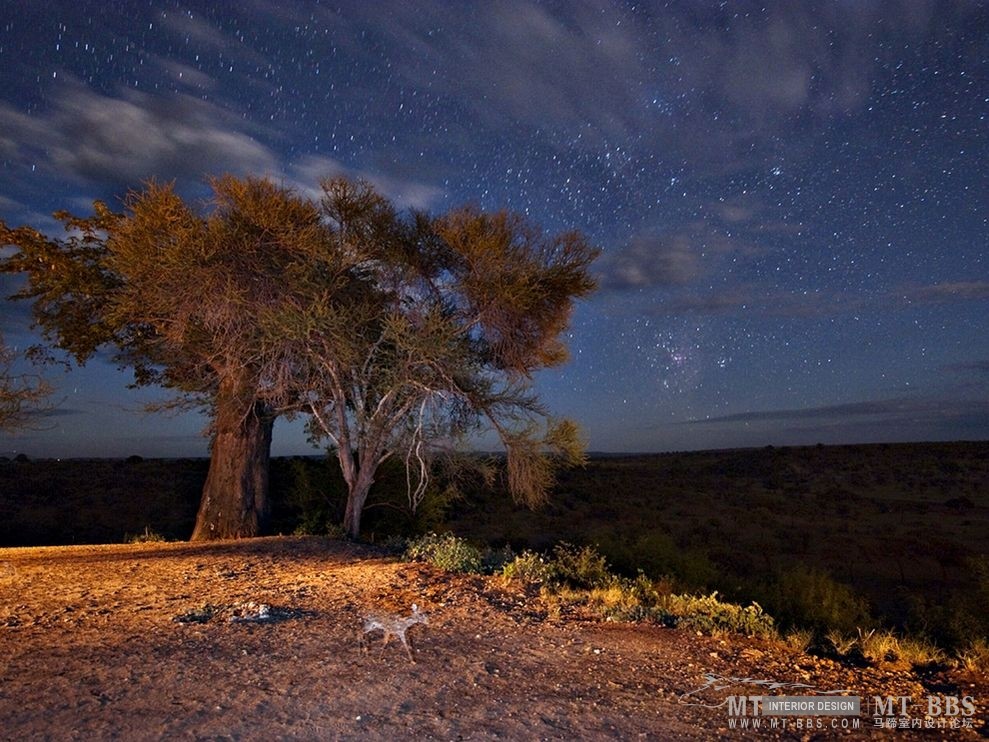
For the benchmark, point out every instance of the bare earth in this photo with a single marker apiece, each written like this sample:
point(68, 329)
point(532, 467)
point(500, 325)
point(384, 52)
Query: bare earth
point(91, 647)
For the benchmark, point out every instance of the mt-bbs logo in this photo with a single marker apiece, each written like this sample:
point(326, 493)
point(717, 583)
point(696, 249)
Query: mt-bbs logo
point(937, 706)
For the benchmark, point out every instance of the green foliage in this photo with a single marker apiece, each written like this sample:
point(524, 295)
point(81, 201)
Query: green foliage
point(494, 561)
point(799, 640)
point(389, 512)
point(568, 566)
point(810, 598)
point(578, 567)
point(885, 648)
point(625, 599)
point(528, 567)
point(963, 618)
point(657, 554)
point(446, 551)
point(709, 520)
point(708, 614)
point(581, 575)
point(314, 494)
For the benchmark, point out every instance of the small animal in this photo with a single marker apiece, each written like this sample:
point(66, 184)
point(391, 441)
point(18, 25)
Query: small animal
point(393, 626)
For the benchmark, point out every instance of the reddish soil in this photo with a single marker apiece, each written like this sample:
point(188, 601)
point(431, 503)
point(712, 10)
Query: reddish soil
point(92, 647)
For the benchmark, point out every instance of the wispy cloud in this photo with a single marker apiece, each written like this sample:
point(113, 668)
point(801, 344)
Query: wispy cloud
point(893, 415)
point(307, 172)
point(652, 261)
point(946, 292)
point(124, 140)
point(978, 367)
point(898, 406)
point(681, 256)
point(115, 143)
point(522, 61)
point(757, 301)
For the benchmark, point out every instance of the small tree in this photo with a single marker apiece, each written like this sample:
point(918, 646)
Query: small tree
point(464, 309)
point(22, 396)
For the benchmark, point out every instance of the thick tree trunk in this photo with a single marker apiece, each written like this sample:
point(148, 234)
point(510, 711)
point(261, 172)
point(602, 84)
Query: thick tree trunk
point(235, 496)
point(356, 497)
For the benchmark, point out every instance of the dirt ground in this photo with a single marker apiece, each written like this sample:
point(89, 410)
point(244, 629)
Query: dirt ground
point(137, 642)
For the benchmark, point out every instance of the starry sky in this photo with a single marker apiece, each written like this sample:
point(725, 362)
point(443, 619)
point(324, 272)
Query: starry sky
point(791, 198)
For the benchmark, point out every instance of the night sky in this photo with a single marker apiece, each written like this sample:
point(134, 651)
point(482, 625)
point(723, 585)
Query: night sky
point(792, 199)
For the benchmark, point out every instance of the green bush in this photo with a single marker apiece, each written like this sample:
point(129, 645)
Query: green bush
point(528, 567)
point(810, 598)
point(625, 599)
point(445, 551)
point(580, 567)
point(580, 575)
point(707, 614)
point(657, 554)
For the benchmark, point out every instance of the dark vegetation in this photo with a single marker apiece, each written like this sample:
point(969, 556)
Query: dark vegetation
point(826, 538)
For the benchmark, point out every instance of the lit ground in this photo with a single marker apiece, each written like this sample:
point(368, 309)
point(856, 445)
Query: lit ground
point(90, 648)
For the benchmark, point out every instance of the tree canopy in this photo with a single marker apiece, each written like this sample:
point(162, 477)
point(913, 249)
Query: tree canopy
point(463, 310)
point(396, 331)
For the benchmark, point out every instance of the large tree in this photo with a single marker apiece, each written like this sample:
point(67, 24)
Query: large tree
point(177, 294)
point(388, 328)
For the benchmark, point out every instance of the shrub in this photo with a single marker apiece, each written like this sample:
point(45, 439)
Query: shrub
point(708, 614)
point(879, 647)
point(445, 551)
point(951, 623)
point(580, 575)
point(885, 648)
point(528, 567)
point(656, 553)
point(842, 643)
point(395, 545)
point(799, 640)
point(975, 656)
point(578, 567)
point(148, 537)
point(920, 654)
point(624, 599)
point(810, 598)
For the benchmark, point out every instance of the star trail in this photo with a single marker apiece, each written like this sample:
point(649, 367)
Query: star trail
point(790, 198)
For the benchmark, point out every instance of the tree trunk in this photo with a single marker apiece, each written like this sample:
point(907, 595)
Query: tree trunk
point(356, 497)
point(235, 496)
